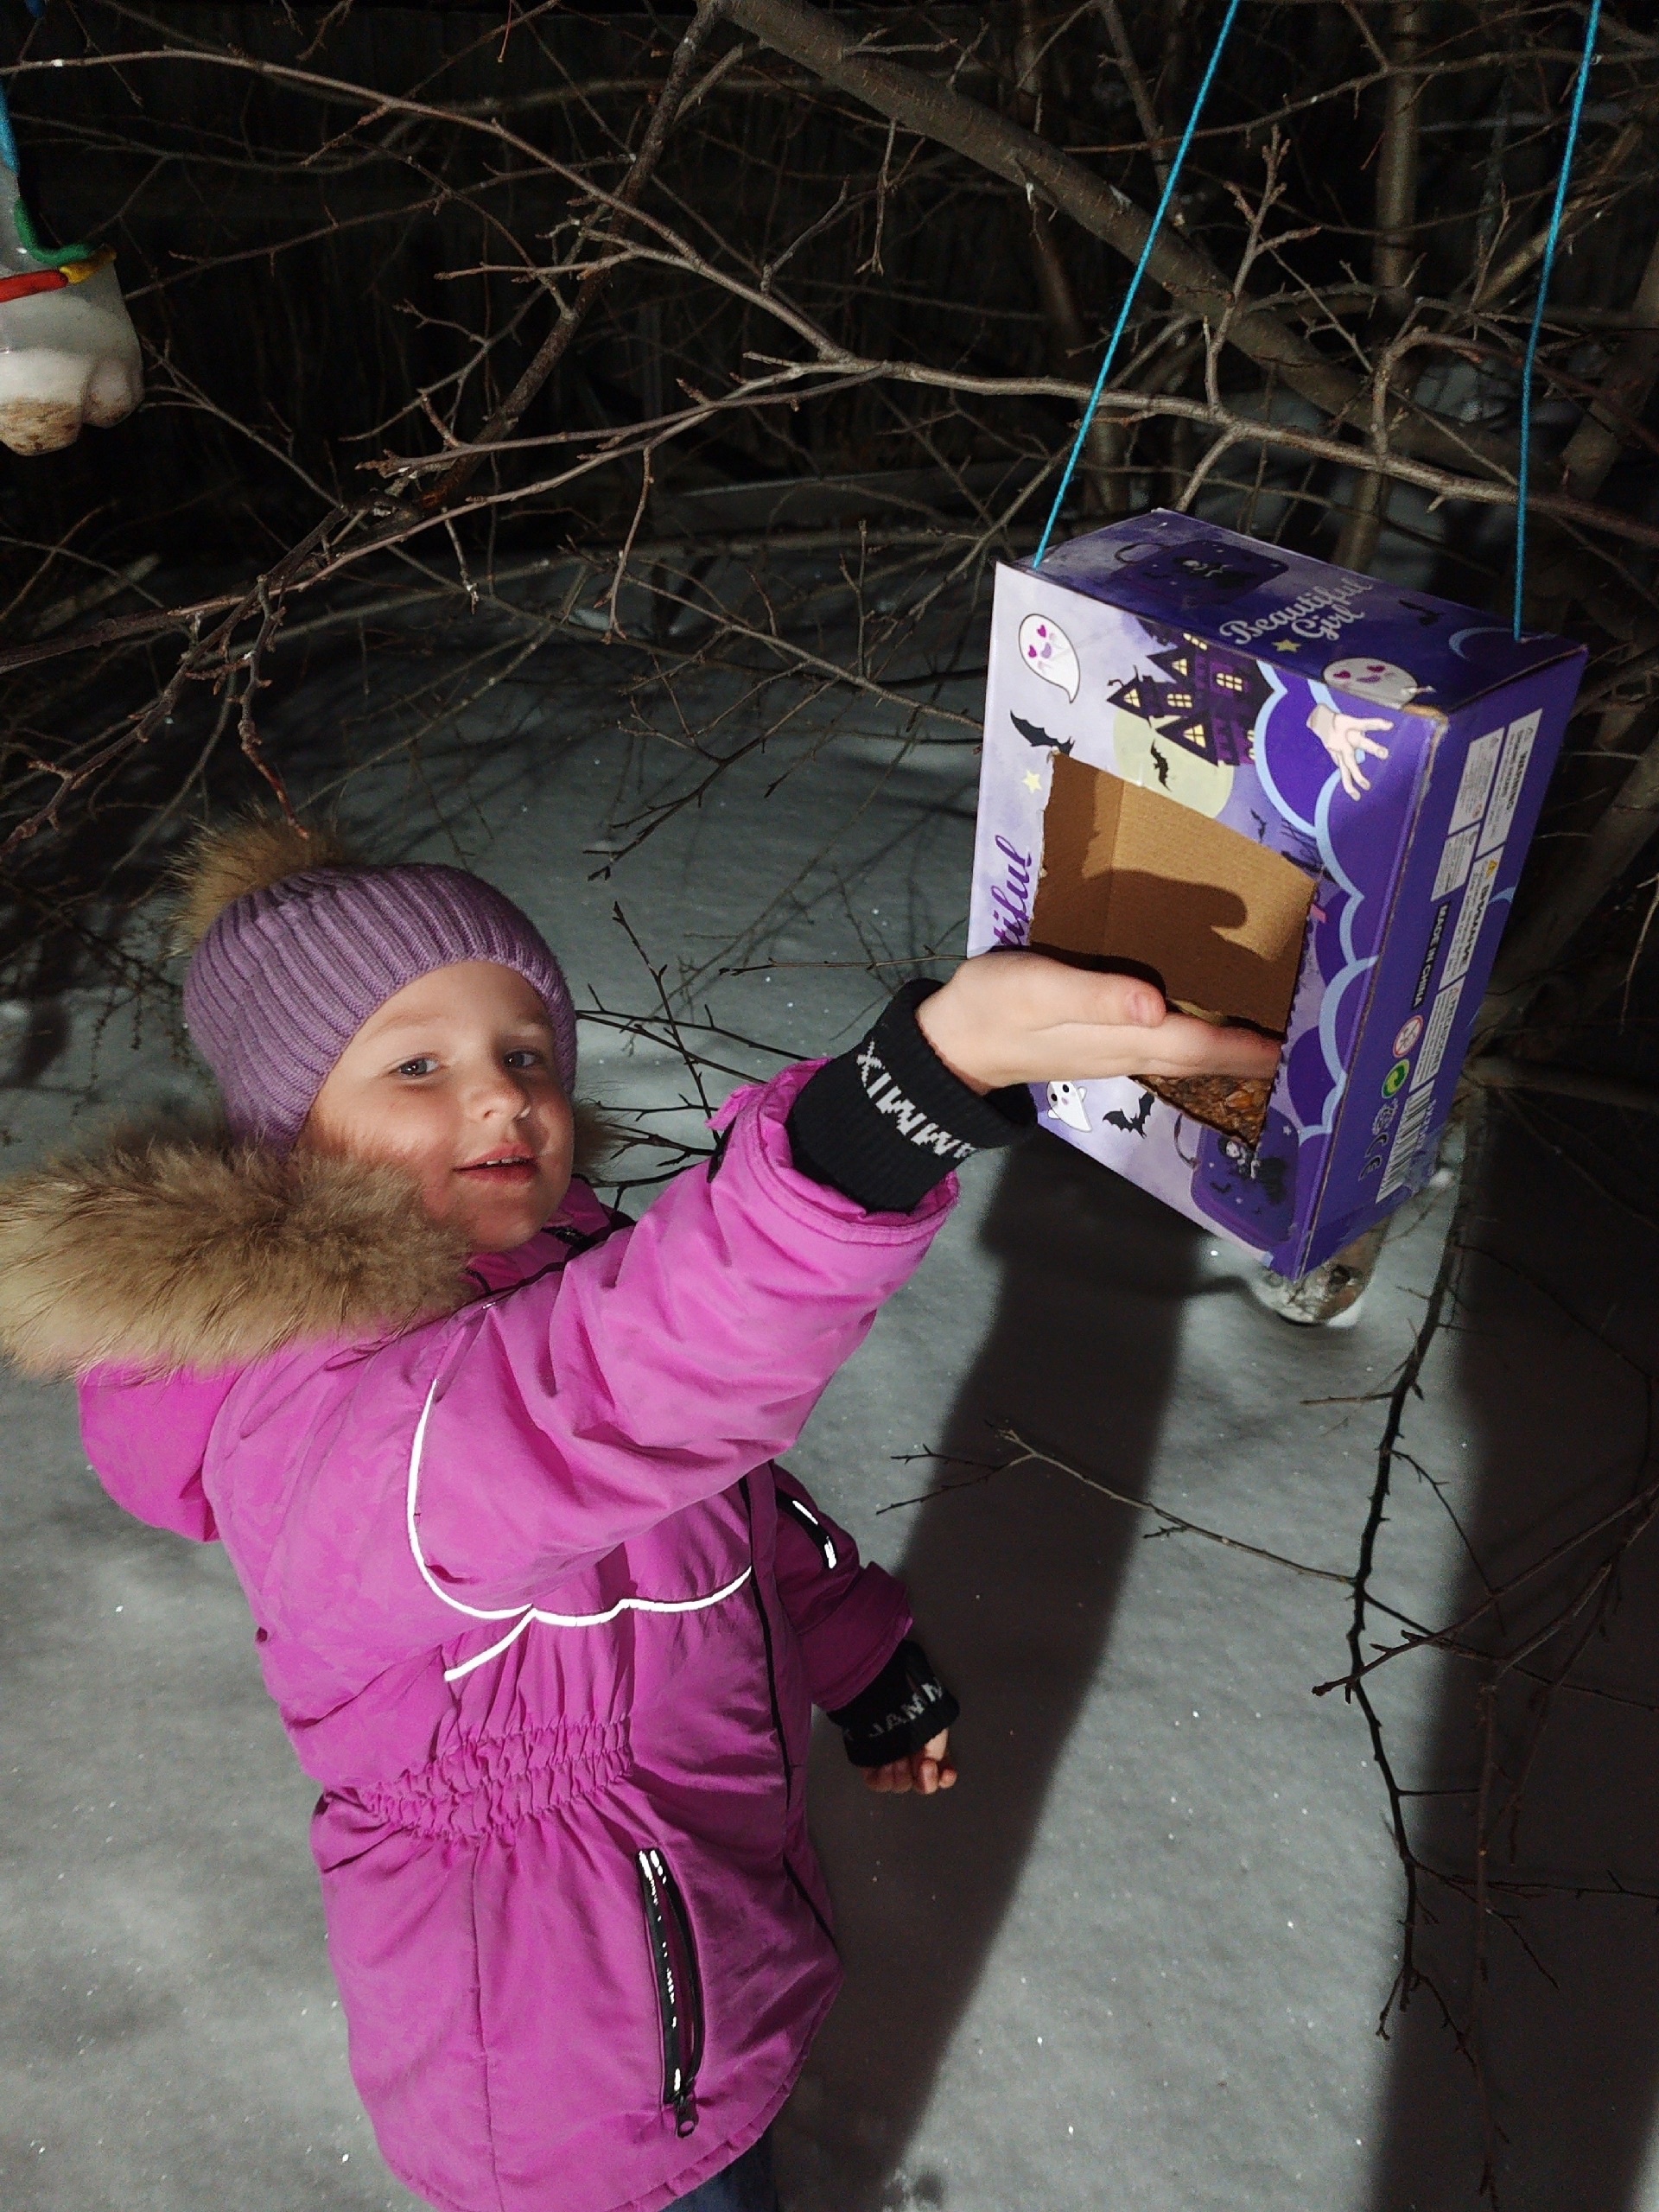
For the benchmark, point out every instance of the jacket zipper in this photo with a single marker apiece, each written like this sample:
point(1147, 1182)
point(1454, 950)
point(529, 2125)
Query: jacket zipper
point(796, 1882)
point(679, 1985)
point(765, 1637)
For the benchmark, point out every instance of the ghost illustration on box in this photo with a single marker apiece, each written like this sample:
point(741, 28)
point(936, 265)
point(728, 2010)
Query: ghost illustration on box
point(1049, 653)
point(68, 351)
point(1347, 737)
point(1065, 1104)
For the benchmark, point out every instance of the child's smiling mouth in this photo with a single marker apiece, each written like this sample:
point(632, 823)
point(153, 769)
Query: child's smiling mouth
point(516, 1166)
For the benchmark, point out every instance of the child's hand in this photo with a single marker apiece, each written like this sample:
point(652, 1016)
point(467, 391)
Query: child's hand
point(928, 1769)
point(1020, 1017)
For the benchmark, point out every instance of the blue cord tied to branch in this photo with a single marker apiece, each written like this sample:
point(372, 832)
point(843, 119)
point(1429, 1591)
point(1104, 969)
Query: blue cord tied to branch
point(1523, 481)
point(1124, 313)
point(1552, 241)
point(8, 135)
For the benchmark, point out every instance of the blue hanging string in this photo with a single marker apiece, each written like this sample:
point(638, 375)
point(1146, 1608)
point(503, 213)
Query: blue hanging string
point(8, 135)
point(1523, 483)
point(1161, 209)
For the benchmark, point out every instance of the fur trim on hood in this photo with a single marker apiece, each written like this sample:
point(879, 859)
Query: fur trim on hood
point(161, 1253)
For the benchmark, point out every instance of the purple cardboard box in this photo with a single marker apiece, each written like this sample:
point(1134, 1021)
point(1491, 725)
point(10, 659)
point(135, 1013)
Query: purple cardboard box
point(1394, 748)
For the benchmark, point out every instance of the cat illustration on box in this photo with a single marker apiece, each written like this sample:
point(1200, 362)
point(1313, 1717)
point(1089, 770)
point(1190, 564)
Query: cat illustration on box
point(1204, 572)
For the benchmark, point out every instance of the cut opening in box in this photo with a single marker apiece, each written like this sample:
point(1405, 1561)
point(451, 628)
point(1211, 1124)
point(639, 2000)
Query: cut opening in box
point(1136, 882)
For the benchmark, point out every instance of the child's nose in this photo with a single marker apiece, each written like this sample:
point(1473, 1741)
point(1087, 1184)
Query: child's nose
point(501, 1092)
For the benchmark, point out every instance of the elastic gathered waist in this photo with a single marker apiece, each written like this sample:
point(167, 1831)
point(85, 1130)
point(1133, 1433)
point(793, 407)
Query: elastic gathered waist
point(485, 1788)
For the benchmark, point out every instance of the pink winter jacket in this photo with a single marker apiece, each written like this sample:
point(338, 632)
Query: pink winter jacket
point(523, 1595)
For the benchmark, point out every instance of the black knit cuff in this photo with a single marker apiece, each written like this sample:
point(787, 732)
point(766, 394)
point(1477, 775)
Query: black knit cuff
point(887, 1121)
point(904, 1708)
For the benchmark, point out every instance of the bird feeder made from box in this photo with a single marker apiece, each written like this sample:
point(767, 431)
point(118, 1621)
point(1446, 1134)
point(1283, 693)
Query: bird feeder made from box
point(1291, 796)
point(68, 351)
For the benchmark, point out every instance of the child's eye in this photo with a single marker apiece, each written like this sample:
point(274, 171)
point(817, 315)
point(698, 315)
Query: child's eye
point(527, 1058)
point(425, 1065)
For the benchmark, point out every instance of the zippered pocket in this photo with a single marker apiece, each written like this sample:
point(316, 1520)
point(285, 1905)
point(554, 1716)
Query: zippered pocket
point(679, 1985)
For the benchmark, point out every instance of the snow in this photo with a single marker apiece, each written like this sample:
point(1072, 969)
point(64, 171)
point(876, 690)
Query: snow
point(1137, 1957)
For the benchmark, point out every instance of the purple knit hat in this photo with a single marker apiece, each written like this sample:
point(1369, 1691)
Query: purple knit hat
point(286, 976)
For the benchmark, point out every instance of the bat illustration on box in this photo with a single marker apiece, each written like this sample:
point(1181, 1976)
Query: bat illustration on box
point(1035, 734)
point(1134, 1124)
point(1068, 1103)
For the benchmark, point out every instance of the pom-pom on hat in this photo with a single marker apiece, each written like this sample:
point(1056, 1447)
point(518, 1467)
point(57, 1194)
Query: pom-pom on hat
point(294, 946)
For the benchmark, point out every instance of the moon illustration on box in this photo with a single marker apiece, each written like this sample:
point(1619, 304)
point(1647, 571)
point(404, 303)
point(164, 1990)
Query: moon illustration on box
point(1140, 757)
point(1383, 681)
point(1048, 652)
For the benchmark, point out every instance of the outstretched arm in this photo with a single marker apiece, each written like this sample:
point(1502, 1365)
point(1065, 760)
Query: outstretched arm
point(515, 1444)
point(693, 1347)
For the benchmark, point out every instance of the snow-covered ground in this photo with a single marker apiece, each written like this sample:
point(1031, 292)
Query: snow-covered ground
point(1136, 1958)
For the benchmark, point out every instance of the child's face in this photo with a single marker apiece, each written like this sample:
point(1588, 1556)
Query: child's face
point(455, 1079)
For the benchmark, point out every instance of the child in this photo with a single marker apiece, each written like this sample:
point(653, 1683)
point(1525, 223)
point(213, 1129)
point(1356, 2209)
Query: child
point(544, 1618)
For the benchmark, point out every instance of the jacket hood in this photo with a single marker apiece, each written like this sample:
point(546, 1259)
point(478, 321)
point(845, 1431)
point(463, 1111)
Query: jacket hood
point(159, 1252)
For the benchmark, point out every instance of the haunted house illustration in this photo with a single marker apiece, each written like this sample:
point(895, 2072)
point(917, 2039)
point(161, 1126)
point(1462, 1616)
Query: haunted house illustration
point(1200, 697)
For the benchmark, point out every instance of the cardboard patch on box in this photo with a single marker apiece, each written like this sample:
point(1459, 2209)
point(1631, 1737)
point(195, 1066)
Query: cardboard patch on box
point(1133, 879)
point(1298, 798)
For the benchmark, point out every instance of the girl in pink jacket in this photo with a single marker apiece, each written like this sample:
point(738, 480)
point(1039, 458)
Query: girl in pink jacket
point(544, 1618)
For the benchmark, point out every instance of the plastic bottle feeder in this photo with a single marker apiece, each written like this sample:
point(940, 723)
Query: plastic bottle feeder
point(68, 351)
